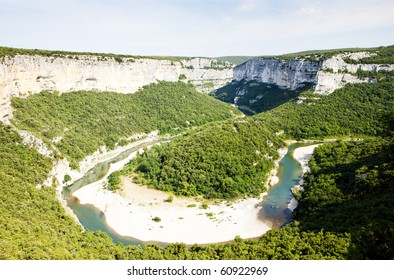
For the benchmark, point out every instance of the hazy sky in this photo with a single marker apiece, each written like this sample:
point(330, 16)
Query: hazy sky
point(196, 27)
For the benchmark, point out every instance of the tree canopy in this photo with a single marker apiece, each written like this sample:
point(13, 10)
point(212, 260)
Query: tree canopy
point(225, 160)
point(356, 109)
point(76, 124)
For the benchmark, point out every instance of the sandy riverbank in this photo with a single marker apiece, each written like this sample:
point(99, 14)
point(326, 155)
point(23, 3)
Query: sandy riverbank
point(130, 212)
point(273, 179)
point(62, 166)
point(302, 155)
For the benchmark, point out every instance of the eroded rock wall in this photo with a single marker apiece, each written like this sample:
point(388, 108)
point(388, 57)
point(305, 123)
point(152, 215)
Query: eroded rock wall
point(23, 75)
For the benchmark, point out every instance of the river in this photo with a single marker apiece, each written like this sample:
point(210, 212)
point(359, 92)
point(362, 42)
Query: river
point(276, 203)
point(274, 212)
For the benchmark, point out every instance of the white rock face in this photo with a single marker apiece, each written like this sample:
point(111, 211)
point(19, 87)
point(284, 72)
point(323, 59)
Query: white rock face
point(32, 141)
point(24, 75)
point(327, 75)
point(328, 82)
point(338, 64)
point(290, 75)
point(336, 73)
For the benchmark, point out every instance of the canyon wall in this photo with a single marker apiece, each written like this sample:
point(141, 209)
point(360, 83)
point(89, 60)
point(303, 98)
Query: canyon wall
point(288, 75)
point(325, 75)
point(23, 75)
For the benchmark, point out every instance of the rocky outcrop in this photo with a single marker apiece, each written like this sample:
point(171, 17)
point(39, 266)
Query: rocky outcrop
point(261, 84)
point(290, 75)
point(34, 142)
point(325, 75)
point(23, 75)
point(336, 73)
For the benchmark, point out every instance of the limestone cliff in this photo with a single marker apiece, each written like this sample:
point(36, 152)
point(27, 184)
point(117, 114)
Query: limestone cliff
point(23, 75)
point(261, 84)
point(288, 75)
point(326, 75)
point(336, 73)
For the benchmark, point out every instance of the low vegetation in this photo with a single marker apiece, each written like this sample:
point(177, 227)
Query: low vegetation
point(156, 219)
point(114, 182)
point(11, 52)
point(236, 60)
point(382, 55)
point(320, 55)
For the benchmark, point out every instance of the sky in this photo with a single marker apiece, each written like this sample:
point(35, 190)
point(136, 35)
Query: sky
point(209, 28)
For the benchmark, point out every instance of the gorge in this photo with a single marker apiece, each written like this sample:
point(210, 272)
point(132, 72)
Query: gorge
point(51, 138)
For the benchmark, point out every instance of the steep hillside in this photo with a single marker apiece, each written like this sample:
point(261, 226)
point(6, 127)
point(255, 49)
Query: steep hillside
point(76, 124)
point(35, 226)
point(350, 190)
point(354, 110)
point(253, 97)
point(291, 75)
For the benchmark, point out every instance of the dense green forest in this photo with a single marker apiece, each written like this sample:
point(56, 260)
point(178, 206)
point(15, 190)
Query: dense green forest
point(350, 190)
point(225, 160)
point(356, 109)
point(35, 226)
point(88, 120)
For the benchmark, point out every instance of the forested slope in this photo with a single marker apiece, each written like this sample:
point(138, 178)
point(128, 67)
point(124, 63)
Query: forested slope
point(349, 189)
point(256, 97)
point(33, 224)
point(354, 110)
point(84, 121)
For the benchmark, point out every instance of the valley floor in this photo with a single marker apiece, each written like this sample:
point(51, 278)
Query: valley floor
point(131, 212)
point(144, 214)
